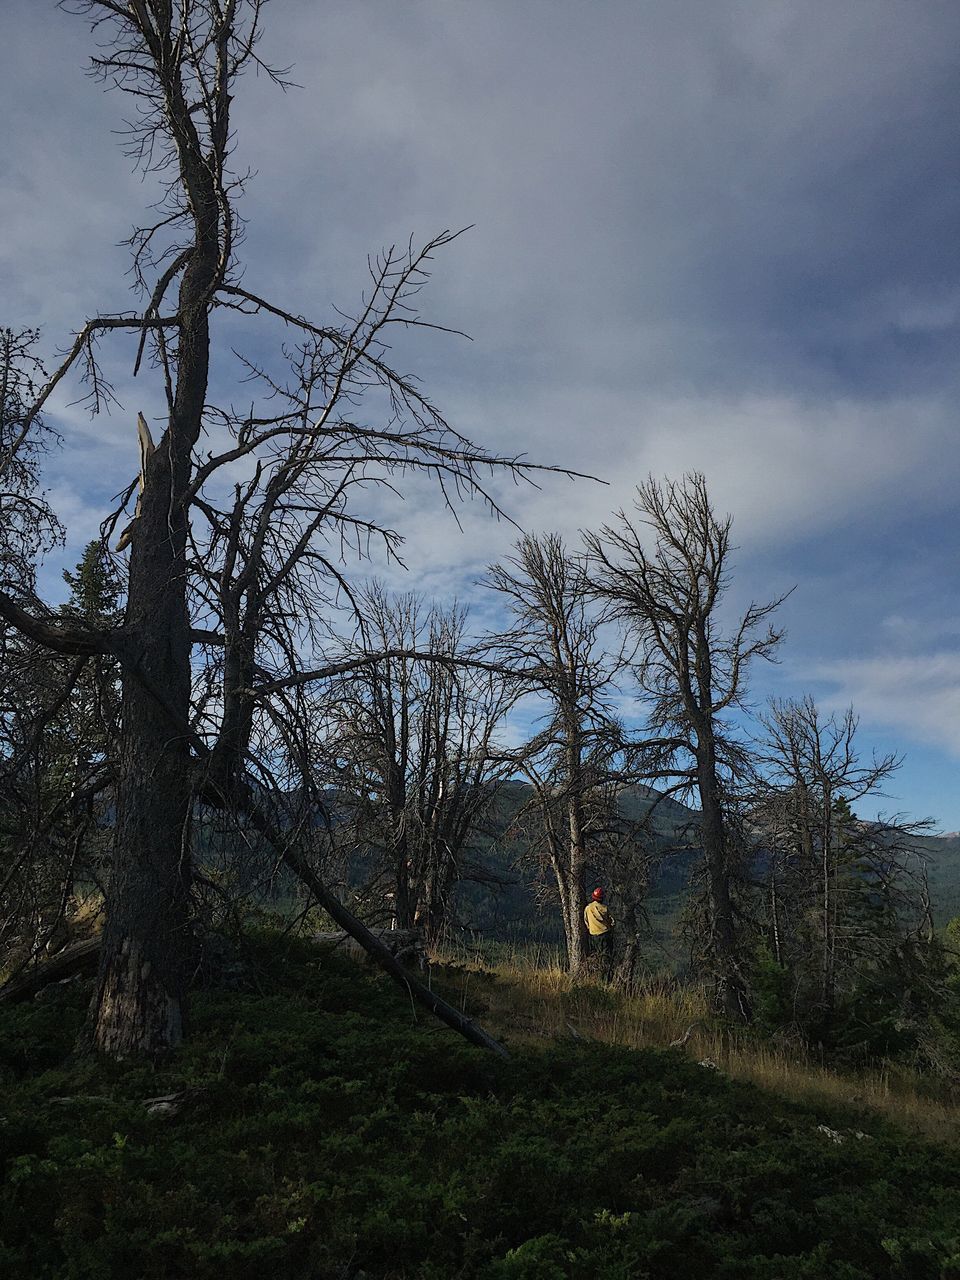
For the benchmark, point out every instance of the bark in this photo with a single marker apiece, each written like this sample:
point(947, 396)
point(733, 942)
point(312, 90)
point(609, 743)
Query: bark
point(431, 915)
point(80, 958)
point(404, 901)
point(570, 887)
point(827, 907)
point(775, 914)
point(730, 987)
point(145, 958)
point(145, 951)
point(576, 931)
point(576, 928)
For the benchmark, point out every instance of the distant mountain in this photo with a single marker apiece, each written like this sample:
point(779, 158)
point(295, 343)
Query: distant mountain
point(505, 898)
point(523, 908)
point(941, 855)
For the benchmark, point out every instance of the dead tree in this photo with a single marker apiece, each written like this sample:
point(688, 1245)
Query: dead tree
point(824, 865)
point(666, 588)
point(210, 566)
point(554, 637)
point(27, 524)
point(412, 741)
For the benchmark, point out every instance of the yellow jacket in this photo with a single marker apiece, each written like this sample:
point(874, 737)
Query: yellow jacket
point(597, 918)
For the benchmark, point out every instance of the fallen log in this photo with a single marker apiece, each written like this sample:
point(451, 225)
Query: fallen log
point(376, 949)
point(405, 944)
point(238, 797)
point(83, 957)
point(80, 958)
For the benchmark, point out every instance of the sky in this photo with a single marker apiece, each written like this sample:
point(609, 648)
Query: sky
point(711, 236)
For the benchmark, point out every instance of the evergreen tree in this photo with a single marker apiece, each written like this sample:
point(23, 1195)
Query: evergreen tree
point(847, 957)
point(60, 722)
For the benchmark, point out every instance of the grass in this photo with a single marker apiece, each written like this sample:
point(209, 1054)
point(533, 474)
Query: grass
point(531, 999)
point(324, 1129)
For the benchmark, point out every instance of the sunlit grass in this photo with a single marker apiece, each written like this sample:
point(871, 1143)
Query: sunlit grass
point(525, 995)
point(84, 918)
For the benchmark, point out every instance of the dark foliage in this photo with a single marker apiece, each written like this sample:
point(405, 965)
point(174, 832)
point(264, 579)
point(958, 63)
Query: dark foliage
point(324, 1133)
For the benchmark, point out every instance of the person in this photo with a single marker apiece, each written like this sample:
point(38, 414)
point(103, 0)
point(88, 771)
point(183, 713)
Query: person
point(599, 922)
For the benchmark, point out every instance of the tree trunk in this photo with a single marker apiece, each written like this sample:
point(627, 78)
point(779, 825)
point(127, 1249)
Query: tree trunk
point(627, 969)
point(731, 990)
point(576, 935)
point(576, 852)
point(570, 888)
point(404, 897)
point(433, 913)
point(775, 913)
point(139, 1007)
point(827, 907)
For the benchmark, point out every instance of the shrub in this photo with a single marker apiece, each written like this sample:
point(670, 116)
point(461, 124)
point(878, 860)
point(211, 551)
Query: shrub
point(325, 1132)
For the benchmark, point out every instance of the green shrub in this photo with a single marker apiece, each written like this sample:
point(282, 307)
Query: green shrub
point(325, 1132)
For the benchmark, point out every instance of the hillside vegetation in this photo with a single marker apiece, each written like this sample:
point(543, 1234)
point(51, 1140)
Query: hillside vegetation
point(510, 911)
point(316, 1127)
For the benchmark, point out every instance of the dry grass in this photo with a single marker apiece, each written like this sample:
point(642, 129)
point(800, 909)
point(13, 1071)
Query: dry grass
point(85, 915)
point(531, 1003)
point(84, 918)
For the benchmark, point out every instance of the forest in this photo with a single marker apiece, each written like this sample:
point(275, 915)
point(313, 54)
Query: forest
point(233, 760)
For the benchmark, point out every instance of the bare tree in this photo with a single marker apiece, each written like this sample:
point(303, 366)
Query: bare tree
point(668, 594)
point(826, 871)
point(417, 763)
point(241, 571)
point(554, 638)
point(28, 527)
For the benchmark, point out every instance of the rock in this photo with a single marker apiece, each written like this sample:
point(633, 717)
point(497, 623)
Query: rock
point(832, 1134)
point(171, 1104)
point(57, 988)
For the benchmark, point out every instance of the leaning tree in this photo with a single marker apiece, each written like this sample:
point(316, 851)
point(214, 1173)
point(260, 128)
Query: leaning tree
point(236, 551)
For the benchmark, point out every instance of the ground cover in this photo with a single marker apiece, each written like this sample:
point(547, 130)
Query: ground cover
point(316, 1126)
point(528, 997)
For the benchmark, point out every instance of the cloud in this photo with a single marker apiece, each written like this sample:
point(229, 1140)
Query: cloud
point(754, 185)
point(919, 696)
point(712, 237)
point(783, 467)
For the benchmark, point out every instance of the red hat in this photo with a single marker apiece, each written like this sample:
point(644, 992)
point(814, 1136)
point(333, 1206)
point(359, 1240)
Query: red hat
point(597, 894)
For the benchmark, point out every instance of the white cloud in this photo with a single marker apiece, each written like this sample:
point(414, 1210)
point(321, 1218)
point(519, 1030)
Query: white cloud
point(917, 695)
point(783, 467)
point(712, 237)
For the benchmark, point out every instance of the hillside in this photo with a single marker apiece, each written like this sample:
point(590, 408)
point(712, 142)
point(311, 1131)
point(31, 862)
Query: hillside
point(942, 857)
point(511, 911)
point(315, 1129)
